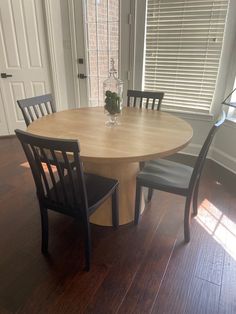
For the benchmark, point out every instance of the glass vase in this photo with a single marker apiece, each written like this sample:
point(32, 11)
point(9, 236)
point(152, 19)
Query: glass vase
point(113, 120)
point(113, 96)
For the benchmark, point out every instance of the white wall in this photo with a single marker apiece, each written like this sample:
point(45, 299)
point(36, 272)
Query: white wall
point(223, 148)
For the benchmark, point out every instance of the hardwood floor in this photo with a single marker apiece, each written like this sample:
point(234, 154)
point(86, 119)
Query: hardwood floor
point(143, 269)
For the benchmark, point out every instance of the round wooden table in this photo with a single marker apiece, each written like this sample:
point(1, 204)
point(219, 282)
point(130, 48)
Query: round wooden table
point(116, 152)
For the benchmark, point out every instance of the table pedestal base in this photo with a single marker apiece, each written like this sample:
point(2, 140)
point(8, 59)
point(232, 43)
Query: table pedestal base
point(126, 174)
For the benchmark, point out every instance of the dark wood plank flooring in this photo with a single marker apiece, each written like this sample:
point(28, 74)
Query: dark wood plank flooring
point(143, 269)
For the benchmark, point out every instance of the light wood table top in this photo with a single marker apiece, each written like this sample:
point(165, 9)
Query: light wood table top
point(116, 152)
point(142, 134)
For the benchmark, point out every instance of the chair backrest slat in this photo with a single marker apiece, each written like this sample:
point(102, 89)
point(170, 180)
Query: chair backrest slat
point(47, 158)
point(47, 108)
point(141, 102)
point(151, 97)
point(40, 167)
point(70, 176)
point(36, 111)
point(60, 174)
point(41, 110)
point(30, 113)
point(153, 104)
point(51, 173)
point(29, 107)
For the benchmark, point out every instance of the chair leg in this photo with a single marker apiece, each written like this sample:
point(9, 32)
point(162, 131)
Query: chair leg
point(195, 198)
point(44, 226)
point(87, 246)
point(150, 193)
point(137, 203)
point(115, 209)
point(141, 165)
point(187, 219)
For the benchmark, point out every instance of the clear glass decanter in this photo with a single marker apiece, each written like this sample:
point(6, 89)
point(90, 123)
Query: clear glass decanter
point(113, 96)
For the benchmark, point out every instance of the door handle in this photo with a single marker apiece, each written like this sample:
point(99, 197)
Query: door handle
point(82, 76)
point(5, 75)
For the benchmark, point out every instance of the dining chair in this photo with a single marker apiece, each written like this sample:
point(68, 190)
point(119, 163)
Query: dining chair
point(176, 178)
point(36, 107)
point(76, 194)
point(151, 100)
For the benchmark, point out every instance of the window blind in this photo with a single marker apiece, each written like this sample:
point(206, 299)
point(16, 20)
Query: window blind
point(182, 51)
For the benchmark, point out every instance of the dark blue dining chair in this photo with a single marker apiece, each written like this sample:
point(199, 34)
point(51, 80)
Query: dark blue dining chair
point(176, 178)
point(76, 194)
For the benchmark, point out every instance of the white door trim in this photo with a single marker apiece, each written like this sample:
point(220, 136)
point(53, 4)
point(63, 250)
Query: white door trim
point(77, 35)
point(138, 52)
point(52, 51)
point(74, 55)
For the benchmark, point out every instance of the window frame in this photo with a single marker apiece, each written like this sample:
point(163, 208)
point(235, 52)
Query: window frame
point(225, 64)
point(231, 84)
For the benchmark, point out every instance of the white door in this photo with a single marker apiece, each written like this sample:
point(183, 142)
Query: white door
point(24, 64)
point(3, 120)
point(102, 29)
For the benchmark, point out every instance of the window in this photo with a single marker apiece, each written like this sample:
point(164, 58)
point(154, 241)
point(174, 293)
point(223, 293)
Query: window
point(182, 51)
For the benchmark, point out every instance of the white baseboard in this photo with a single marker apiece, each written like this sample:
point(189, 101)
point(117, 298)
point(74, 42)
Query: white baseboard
point(214, 154)
point(223, 159)
point(191, 149)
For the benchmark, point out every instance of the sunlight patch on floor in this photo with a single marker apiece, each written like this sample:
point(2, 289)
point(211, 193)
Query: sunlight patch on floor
point(217, 224)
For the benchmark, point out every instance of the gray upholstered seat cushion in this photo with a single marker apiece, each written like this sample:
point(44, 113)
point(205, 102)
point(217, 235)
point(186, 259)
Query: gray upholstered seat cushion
point(166, 175)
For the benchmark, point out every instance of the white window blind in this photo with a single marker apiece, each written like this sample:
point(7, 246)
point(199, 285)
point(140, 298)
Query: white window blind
point(182, 51)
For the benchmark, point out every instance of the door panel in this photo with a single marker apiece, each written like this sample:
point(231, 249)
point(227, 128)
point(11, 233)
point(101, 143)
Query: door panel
point(23, 54)
point(17, 91)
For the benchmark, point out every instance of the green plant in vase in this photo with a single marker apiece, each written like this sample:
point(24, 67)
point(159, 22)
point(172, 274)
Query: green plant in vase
point(112, 102)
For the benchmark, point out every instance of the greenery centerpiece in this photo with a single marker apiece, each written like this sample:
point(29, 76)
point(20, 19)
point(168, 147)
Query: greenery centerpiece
point(112, 102)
